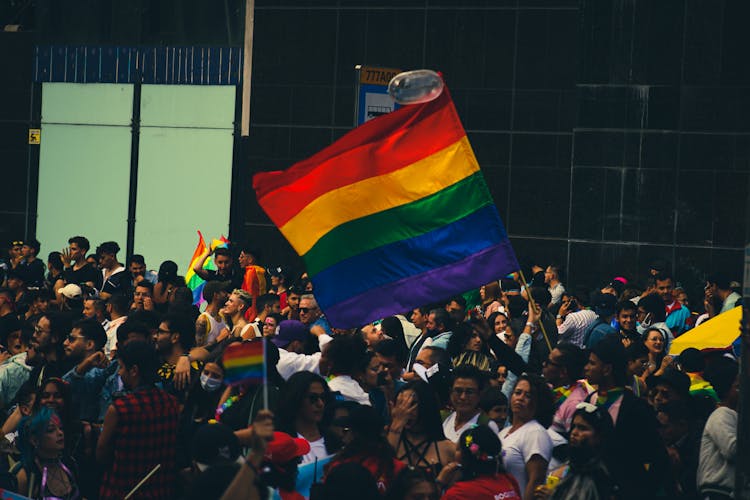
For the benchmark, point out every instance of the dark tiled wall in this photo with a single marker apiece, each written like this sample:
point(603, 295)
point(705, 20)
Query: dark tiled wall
point(661, 147)
point(611, 132)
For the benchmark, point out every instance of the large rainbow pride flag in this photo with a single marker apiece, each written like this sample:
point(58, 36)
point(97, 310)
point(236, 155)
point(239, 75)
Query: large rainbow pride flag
point(393, 215)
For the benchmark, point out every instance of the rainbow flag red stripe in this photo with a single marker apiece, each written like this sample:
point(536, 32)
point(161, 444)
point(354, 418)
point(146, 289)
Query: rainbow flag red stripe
point(393, 215)
point(244, 362)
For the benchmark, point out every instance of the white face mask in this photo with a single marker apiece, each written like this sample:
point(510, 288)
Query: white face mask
point(210, 384)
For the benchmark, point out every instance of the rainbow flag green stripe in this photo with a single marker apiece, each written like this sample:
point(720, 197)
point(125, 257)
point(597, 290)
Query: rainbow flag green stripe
point(406, 221)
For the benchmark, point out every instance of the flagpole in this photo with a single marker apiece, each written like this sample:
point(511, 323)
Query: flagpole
point(265, 380)
point(153, 471)
point(535, 306)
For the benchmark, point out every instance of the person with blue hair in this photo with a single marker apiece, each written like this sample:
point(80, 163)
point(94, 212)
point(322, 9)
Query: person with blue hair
point(44, 471)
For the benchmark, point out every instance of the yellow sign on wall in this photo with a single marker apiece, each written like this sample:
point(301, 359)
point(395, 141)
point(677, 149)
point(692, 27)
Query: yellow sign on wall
point(370, 75)
point(35, 136)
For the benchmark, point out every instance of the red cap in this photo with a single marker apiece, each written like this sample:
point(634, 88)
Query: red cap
point(284, 448)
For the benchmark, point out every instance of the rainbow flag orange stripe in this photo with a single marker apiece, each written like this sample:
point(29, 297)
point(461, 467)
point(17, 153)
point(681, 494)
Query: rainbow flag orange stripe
point(244, 362)
point(393, 215)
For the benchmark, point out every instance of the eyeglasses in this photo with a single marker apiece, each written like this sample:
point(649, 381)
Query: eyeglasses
point(161, 331)
point(458, 391)
point(72, 338)
point(38, 329)
point(314, 398)
point(305, 310)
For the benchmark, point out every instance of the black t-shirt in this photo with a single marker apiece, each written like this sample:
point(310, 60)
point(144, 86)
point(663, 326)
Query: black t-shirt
point(234, 277)
point(118, 282)
point(83, 275)
point(33, 272)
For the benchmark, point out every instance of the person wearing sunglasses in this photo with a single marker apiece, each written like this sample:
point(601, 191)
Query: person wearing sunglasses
point(586, 474)
point(84, 347)
point(311, 315)
point(305, 410)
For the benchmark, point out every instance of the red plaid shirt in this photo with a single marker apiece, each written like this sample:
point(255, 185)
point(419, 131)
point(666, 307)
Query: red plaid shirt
point(146, 435)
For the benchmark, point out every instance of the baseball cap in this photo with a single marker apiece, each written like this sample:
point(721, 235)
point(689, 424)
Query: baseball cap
point(289, 331)
point(71, 291)
point(215, 443)
point(284, 448)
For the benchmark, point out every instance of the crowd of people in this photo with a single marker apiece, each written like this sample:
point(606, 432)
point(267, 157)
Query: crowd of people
point(112, 385)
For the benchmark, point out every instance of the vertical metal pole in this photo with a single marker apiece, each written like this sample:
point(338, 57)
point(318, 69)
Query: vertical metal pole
point(32, 164)
point(247, 65)
point(134, 146)
point(239, 177)
point(742, 481)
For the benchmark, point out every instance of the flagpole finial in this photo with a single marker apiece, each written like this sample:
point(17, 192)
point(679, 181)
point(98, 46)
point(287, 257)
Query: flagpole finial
point(416, 87)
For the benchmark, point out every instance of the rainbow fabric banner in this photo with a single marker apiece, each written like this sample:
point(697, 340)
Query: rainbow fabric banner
point(194, 282)
point(393, 215)
point(244, 362)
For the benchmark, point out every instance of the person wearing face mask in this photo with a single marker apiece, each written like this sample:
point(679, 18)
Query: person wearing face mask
point(205, 393)
point(200, 406)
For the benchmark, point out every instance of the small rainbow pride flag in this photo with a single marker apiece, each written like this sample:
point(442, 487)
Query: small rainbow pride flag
point(194, 282)
point(244, 362)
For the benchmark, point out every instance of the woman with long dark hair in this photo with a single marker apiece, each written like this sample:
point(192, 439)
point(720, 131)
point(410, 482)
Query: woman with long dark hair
point(305, 410)
point(366, 445)
point(490, 295)
point(528, 447)
point(166, 282)
point(416, 431)
point(478, 472)
point(54, 393)
point(205, 393)
point(656, 343)
point(466, 338)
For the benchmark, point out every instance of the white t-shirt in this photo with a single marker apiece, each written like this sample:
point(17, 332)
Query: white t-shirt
point(317, 450)
point(449, 426)
point(349, 389)
point(519, 446)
